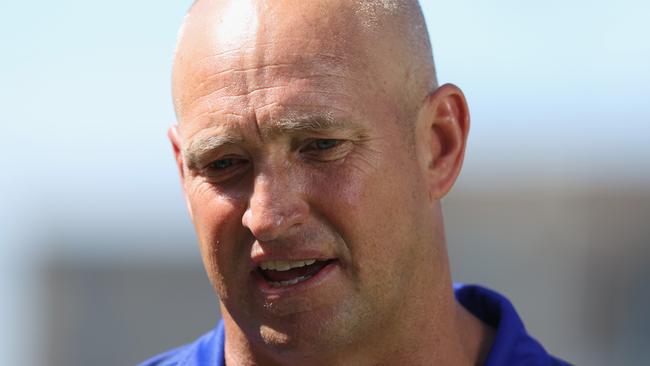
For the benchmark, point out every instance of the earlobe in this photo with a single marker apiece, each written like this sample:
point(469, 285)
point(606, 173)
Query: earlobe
point(446, 122)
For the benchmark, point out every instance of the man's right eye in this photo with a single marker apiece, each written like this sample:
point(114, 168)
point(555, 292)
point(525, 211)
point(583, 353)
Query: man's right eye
point(221, 169)
point(221, 164)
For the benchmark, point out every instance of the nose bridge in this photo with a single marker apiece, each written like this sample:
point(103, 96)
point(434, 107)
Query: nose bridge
point(276, 203)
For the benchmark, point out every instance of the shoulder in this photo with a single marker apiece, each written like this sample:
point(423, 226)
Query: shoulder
point(172, 357)
point(206, 350)
point(512, 344)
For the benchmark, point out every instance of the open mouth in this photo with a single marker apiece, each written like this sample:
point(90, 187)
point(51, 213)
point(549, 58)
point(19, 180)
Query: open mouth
point(290, 273)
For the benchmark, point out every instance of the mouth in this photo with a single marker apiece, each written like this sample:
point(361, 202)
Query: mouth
point(284, 274)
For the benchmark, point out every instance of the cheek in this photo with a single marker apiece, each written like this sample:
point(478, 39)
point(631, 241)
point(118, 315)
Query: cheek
point(373, 207)
point(217, 221)
point(359, 202)
point(211, 212)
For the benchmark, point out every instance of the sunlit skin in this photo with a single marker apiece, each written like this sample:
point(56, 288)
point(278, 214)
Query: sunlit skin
point(305, 132)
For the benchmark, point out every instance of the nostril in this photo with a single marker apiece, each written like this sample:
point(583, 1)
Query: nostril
point(265, 225)
point(272, 210)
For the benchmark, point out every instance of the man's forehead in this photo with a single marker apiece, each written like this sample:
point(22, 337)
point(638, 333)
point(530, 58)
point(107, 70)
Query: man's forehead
point(361, 32)
point(238, 24)
point(281, 59)
point(262, 94)
point(344, 31)
point(329, 53)
point(210, 56)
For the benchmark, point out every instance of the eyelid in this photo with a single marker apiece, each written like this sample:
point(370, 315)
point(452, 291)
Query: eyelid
point(310, 142)
point(224, 152)
point(224, 175)
point(233, 161)
point(206, 164)
point(335, 153)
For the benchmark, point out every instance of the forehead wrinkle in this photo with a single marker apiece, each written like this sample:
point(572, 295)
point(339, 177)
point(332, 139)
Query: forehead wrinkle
point(278, 68)
point(210, 98)
point(229, 98)
point(252, 57)
point(293, 125)
point(235, 99)
point(249, 57)
point(218, 74)
point(212, 112)
point(251, 48)
point(327, 110)
point(232, 83)
point(320, 79)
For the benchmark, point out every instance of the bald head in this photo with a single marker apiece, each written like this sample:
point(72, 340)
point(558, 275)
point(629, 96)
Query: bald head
point(385, 40)
point(305, 127)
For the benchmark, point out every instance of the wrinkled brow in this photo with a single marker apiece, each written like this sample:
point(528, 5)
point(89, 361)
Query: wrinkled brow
point(307, 124)
point(199, 148)
point(290, 126)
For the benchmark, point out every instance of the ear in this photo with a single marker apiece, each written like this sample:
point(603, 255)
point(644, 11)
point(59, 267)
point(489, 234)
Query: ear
point(442, 129)
point(175, 139)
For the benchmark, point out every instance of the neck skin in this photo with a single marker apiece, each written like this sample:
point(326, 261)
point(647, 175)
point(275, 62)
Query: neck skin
point(454, 337)
point(429, 330)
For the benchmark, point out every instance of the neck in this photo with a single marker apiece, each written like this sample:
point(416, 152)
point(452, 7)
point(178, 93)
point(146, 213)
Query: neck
point(445, 333)
point(433, 331)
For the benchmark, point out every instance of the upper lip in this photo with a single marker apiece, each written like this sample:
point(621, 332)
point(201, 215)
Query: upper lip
point(297, 255)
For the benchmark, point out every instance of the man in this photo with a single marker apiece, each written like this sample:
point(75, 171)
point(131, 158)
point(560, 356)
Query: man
point(314, 146)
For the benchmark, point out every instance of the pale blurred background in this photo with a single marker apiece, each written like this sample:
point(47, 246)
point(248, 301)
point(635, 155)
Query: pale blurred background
point(98, 261)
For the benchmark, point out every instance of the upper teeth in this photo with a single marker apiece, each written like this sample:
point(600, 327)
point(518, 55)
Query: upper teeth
point(285, 265)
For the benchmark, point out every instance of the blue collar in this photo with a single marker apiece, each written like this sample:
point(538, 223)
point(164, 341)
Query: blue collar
point(512, 344)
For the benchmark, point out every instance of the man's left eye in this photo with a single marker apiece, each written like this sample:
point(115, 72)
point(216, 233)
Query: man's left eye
point(326, 150)
point(325, 144)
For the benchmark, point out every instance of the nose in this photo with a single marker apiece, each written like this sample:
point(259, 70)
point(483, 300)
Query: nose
point(276, 206)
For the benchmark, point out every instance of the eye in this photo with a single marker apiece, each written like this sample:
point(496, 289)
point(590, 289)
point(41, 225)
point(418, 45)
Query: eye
point(324, 144)
point(222, 164)
point(224, 169)
point(326, 150)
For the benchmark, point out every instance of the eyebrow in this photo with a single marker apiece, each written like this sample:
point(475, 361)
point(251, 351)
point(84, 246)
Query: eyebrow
point(306, 124)
point(199, 148)
point(294, 125)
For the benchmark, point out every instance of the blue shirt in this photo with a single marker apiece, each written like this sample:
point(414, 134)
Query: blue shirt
point(512, 344)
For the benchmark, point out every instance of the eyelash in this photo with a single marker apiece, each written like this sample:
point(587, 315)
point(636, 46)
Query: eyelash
point(215, 171)
point(313, 145)
point(232, 161)
point(334, 150)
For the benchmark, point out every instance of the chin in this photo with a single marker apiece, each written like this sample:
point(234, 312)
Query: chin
point(306, 333)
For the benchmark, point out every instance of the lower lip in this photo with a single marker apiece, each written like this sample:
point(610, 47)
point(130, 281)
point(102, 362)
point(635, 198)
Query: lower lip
point(321, 276)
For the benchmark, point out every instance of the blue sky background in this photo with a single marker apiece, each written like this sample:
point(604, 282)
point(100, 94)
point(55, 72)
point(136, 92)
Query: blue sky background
point(559, 93)
point(559, 90)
